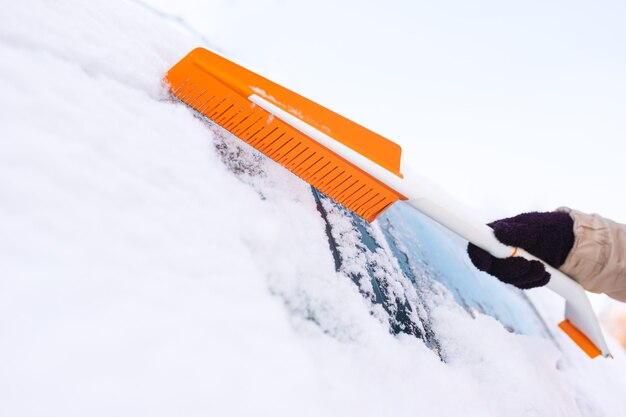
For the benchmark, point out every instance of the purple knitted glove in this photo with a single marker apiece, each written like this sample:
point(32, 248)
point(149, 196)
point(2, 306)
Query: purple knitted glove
point(549, 236)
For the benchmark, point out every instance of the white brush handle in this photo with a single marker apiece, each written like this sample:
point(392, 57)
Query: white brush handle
point(454, 217)
point(578, 309)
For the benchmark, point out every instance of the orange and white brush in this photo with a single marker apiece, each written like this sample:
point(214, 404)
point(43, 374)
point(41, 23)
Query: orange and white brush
point(351, 164)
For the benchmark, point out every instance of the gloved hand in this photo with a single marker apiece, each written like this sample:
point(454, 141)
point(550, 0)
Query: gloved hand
point(549, 236)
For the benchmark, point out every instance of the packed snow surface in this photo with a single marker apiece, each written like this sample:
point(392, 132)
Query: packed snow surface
point(139, 275)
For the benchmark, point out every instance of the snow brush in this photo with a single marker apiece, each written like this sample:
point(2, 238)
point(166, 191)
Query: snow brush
point(351, 164)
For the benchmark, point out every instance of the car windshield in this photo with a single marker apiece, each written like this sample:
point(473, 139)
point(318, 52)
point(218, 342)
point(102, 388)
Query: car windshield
point(400, 260)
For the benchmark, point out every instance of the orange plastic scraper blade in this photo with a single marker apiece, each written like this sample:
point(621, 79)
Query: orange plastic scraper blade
point(580, 339)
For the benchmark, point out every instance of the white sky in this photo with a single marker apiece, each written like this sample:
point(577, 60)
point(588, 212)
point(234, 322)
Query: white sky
point(509, 106)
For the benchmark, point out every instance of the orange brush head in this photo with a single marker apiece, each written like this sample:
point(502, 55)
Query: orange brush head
point(219, 89)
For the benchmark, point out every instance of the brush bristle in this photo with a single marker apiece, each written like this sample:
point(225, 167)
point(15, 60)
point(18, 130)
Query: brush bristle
point(315, 164)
